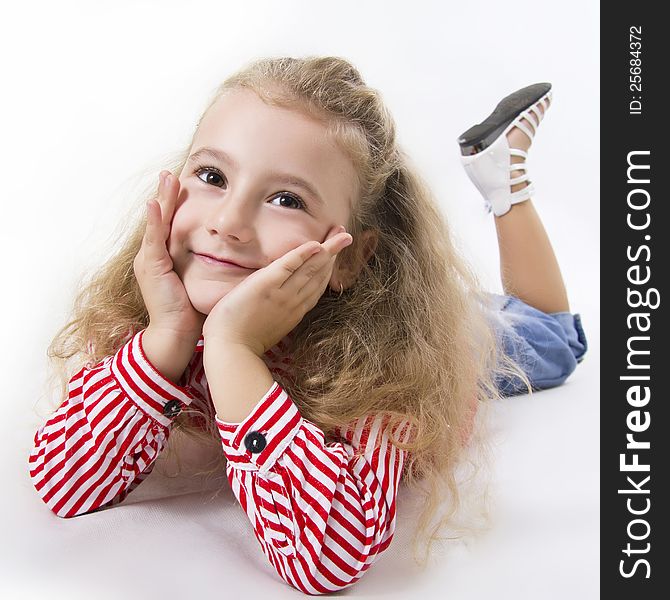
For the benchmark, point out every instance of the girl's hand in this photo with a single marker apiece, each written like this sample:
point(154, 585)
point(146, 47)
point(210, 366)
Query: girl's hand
point(163, 292)
point(270, 302)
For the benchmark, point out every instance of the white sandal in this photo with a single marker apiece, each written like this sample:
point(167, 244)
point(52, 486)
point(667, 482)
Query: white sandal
point(485, 152)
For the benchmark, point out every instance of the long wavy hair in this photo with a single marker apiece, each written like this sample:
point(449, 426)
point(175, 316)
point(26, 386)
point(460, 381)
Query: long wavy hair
point(411, 339)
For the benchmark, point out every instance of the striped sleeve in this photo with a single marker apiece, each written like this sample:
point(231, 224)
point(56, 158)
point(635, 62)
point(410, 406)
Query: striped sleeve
point(102, 442)
point(322, 512)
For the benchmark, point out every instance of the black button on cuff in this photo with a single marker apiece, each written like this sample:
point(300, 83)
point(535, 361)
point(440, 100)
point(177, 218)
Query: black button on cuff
point(255, 442)
point(172, 408)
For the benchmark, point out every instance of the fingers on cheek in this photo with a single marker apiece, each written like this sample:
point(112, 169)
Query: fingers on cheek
point(316, 281)
point(326, 273)
point(326, 265)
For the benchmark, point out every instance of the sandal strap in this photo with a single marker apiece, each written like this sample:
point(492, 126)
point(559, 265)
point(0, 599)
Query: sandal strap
point(523, 194)
point(537, 113)
point(527, 115)
point(525, 129)
point(534, 123)
point(517, 152)
point(520, 178)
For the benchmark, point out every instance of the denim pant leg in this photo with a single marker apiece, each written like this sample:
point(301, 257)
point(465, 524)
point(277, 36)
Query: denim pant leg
point(547, 346)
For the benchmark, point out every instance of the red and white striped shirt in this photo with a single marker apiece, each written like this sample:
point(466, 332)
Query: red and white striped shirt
point(322, 511)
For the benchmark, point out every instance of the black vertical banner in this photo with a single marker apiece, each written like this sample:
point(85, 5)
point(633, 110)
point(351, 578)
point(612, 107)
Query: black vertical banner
point(635, 423)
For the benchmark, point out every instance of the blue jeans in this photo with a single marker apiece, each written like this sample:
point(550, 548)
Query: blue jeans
point(547, 346)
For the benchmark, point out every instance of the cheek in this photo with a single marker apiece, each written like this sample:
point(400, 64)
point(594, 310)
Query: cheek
point(180, 229)
point(279, 246)
point(276, 232)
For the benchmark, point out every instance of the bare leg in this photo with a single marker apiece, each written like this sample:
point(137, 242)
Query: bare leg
point(528, 267)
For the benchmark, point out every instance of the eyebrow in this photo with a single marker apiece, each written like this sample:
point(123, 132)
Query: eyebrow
point(285, 178)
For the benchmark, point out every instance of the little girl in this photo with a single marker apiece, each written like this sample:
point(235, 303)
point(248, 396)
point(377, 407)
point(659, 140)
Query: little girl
point(331, 345)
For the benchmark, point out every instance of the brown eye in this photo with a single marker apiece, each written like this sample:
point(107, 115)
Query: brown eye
point(211, 175)
point(300, 204)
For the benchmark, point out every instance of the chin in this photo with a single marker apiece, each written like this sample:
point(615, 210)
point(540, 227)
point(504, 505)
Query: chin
point(205, 295)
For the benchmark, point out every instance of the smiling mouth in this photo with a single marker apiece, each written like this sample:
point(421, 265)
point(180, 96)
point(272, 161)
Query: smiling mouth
point(208, 260)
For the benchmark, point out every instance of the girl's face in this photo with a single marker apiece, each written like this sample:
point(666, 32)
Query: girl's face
point(241, 198)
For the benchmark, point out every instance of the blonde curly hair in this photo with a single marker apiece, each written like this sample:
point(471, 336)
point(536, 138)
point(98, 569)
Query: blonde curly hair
point(411, 339)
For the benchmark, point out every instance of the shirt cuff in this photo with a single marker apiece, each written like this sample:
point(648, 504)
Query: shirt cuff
point(145, 385)
point(256, 443)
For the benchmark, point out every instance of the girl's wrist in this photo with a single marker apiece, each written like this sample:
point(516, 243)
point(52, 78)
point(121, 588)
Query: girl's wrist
point(168, 351)
point(217, 344)
point(182, 337)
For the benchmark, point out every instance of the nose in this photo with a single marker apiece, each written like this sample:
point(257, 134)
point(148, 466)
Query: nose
point(233, 215)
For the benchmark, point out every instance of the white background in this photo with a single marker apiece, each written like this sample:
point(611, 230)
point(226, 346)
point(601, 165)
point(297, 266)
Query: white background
point(97, 95)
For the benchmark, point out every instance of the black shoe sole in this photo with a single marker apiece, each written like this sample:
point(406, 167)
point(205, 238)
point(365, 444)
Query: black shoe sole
point(481, 136)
